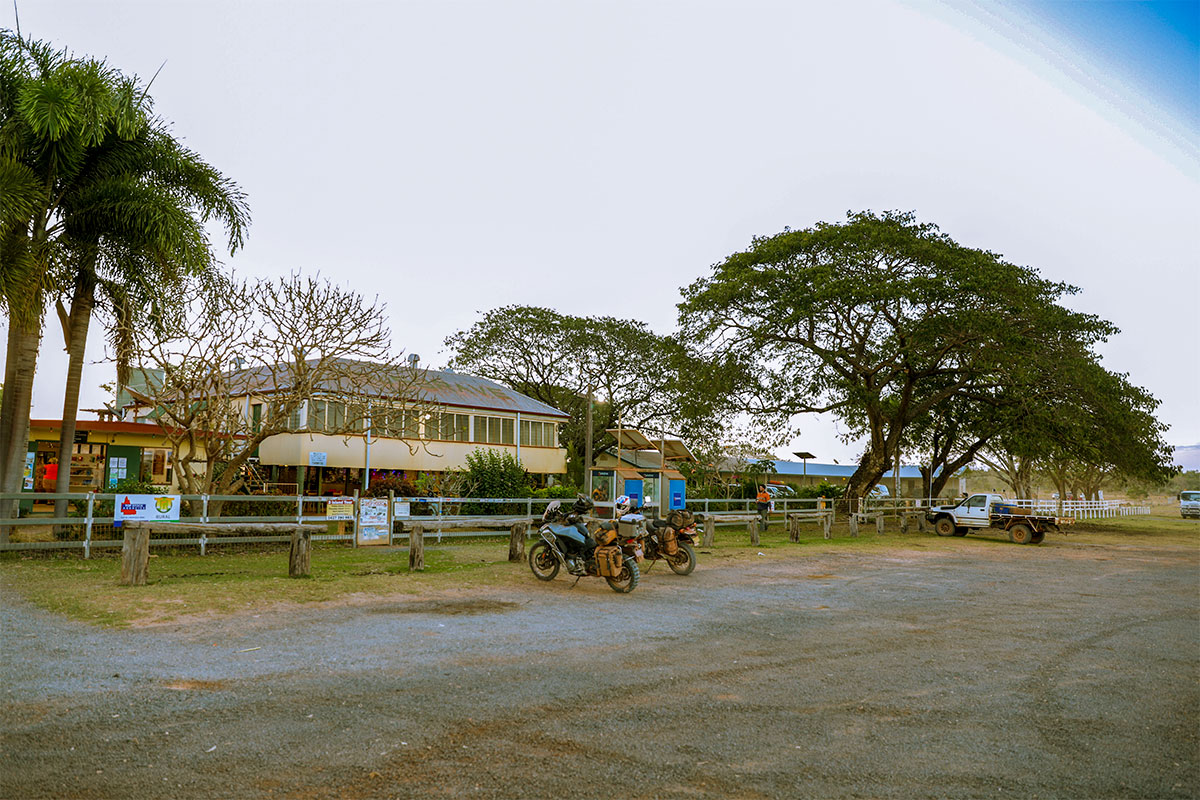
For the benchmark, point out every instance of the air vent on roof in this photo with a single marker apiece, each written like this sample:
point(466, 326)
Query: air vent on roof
point(413, 358)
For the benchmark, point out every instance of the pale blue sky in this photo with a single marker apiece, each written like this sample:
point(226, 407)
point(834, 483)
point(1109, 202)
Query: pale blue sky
point(596, 156)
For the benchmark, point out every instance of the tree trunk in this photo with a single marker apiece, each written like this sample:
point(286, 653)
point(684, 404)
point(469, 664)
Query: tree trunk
point(82, 303)
point(870, 469)
point(22, 354)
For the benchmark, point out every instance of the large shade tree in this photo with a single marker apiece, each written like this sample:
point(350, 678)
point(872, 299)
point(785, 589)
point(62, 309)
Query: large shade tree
point(637, 378)
point(880, 320)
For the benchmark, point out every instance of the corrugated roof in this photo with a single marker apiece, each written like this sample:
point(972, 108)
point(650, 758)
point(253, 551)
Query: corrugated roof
point(831, 470)
point(440, 387)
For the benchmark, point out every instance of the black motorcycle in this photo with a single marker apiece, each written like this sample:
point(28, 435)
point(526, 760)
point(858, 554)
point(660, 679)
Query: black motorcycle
point(673, 540)
point(566, 543)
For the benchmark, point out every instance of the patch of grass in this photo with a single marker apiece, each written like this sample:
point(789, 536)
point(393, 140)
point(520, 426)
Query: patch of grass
point(219, 583)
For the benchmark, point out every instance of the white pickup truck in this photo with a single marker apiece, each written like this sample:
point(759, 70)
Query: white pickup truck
point(1023, 525)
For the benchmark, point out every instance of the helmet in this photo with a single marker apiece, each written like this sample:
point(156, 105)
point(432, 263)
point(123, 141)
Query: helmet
point(625, 504)
point(582, 504)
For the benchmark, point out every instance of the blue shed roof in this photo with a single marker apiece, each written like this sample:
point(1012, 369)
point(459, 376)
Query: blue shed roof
point(813, 468)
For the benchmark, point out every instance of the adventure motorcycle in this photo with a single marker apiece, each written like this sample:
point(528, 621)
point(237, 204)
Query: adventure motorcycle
point(565, 542)
point(672, 540)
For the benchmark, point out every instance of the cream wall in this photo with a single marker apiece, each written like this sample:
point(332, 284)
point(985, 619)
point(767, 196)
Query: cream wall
point(292, 449)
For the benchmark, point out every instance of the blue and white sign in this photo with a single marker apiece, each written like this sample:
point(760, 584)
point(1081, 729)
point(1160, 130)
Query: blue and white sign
point(146, 507)
point(317, 459)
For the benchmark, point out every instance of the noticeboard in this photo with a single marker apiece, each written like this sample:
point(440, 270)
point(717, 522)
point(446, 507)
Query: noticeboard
point(146, 507)
point(373, 527)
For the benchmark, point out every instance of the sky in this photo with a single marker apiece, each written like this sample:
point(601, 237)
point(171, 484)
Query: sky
point(595, 157)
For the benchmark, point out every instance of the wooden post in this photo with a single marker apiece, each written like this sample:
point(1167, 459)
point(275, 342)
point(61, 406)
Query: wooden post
point(753, 526)
point(827, 524)
point(300, 556)
point(793, 522)
point(710, 532)
point(853, 524)
point(904, 523)
point(135, 554)
point(516, 541)
point(922, 524)
point(416, 548)
point(879, 524)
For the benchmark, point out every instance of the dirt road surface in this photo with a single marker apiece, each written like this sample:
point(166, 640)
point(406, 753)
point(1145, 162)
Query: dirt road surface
point(1058, 671)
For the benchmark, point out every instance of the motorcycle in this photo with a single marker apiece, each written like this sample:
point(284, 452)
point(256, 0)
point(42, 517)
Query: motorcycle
point(672, 540)
point(566, 543)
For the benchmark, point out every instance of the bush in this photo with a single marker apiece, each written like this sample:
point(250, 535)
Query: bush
point(558, 491)
point(398, 486)
point(822, 489)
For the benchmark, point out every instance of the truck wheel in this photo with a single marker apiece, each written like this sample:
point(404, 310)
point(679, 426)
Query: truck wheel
point(1020, 533)
point(961, 530)
point(1038, 536)
point(945, 526)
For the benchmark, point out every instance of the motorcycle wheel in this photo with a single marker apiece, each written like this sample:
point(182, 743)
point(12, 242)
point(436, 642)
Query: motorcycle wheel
point(684, 560)
point(543, 562)
point(627, 581)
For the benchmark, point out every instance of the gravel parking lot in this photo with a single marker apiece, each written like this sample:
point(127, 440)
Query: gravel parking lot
point(992, 670)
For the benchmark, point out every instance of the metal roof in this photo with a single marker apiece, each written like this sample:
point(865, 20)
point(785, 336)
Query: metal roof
point(440, 387)
point(830, 470)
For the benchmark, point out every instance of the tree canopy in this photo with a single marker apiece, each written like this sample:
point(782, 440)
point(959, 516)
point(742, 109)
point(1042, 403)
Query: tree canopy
point(638, 378)
point(882, 320)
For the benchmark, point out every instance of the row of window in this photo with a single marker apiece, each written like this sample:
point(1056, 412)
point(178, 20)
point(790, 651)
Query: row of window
point(396, 423)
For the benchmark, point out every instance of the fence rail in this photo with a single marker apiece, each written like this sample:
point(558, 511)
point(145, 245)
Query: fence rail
point(93, 525)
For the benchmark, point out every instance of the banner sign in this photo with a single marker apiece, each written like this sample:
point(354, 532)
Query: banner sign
point(340, 508)
point(317, 459)
point(146, 507)
point(401, 508)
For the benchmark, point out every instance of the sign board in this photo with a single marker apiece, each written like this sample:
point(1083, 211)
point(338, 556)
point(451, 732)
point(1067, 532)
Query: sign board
point(317, 459)
point(372, 511)
point(401, 508)
point(373, 525)
point(339, 508)
point(29, 457)
point(146, 507)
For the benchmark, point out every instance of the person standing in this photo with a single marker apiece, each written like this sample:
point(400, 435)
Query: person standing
point(763, 504)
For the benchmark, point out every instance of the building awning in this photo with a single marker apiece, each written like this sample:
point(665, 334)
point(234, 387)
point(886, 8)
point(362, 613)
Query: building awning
point(629, 474)
point(671, 474)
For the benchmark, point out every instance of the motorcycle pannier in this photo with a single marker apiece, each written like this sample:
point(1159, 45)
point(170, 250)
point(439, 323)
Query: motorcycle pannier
point(608, 561)
point(604, 536)
point(680, 519)
point(670, 544)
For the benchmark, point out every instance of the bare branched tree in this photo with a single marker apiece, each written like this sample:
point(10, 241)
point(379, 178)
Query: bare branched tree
point(310, 355)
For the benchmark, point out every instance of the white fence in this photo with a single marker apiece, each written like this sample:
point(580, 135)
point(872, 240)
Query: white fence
point(92, 525)
point(1083, 509)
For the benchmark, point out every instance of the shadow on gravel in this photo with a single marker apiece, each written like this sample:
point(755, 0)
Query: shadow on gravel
point(464, 606)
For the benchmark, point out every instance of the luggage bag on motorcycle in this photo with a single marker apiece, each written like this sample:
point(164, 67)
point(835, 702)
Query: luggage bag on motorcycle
point(609, 561)
point(668, 539)
point(680, 518)
point(605, 535)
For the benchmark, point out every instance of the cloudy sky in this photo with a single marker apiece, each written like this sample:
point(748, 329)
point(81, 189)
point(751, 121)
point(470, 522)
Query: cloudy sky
point(594, 157)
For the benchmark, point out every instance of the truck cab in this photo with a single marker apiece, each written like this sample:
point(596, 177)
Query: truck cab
point(1189, 504)
point(970, 512)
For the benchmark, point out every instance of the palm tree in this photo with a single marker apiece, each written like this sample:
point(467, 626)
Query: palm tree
point(85, 173)
point(135, 223)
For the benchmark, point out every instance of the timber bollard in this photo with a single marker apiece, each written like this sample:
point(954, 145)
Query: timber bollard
point(752, 528)
point(416, 548)
point(135, 555)
point(827, 524)
point(904, 523)
point(879, 525)
point(300, 555)
point(516, 541)
point(853, 524)
point(710, 532)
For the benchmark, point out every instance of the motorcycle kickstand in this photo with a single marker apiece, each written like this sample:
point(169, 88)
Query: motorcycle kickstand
point(577, 577)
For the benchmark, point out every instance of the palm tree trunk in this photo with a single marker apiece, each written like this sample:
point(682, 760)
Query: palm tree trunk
point(82, 302)
point(22, 360)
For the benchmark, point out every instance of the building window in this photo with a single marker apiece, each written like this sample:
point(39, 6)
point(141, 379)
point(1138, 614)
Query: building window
point(539, 434)
point(493, 430)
